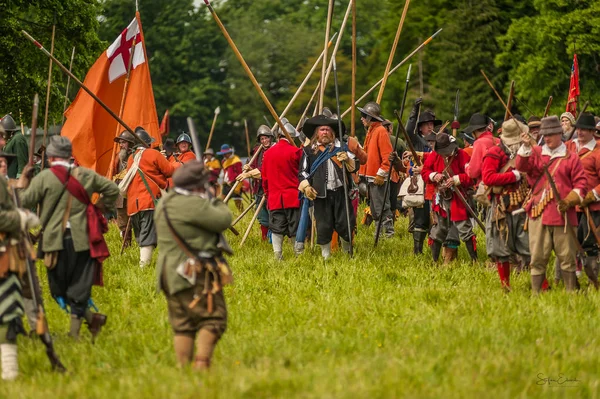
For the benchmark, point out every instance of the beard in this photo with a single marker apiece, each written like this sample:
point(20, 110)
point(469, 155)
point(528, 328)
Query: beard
point(123, 155)
point(326, 139)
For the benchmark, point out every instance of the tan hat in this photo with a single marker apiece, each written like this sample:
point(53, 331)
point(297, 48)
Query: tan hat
point(511, 131)
point(551, 125)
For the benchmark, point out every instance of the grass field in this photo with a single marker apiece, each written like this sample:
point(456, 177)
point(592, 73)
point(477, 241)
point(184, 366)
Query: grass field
point(382, 325)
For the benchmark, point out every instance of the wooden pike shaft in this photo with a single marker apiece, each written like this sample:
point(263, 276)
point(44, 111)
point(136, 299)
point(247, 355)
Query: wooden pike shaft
point(243, 213)
point(48, 89)
point(408, 57)
point(34, 123)
point(258, 150)
point(247, 136)
point(306, 79)
point(212, 128)
point(308, 105)
point(353, 95)
point(260, 206)
point(393, 52)
point(121, 108)
point(337, 43)
point(67, 89)
point(84, 87)
point(325, 48)
point(548, 105)
point(249, 72)
point(511, 94)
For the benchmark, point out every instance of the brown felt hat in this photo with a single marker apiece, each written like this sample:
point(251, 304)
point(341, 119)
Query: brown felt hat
point(511, 131)
point(534, 121)
point(551, 125)
point(191, 175)
point(445, 145)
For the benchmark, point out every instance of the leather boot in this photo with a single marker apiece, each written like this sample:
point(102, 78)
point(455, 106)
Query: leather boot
point(570, 279)
point(449, 254)
point(470, 244)
point(419, 239)
point(536, 283)
point(95, 322)
point(591, 270)
point(436, 248)
point(75, 327)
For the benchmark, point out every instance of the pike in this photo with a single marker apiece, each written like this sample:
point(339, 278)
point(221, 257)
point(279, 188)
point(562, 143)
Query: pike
point(67, 89)
point(260, 206)
point(84, 87)
point(394, 69)
point(48, 89)
point(392, 52)
point(258, 150)
point(222, 243)
point(344, 171)
point(548, 104)
point(27, 248)
point(247, 136)
point(325, 48)
point(249, 72)
point(411, 147)
point(243, 213)
point(353, 95)
point(386, 191)
point(511, 94)
point(456, 110)
point(212, 127)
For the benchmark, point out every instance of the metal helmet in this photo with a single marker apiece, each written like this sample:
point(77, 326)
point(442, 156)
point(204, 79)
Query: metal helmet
point(289, 127)
point(372, 110)
point(327, 112)
point(144, 136)
point(264, 130)
point(8, 123)
point(184, 138)
point(125, 136)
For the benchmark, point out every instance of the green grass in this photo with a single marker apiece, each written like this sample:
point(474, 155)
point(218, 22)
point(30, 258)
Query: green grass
point(384, 324)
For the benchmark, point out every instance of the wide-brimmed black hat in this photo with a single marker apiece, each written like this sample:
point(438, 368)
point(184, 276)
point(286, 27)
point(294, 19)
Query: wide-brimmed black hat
point(321, 120)
point(586, 121)
point(445, 145)
point(477, 121)
point(428, 116)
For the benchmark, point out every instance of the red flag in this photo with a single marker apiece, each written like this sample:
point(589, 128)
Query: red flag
point(88, 125)
point(573, 88)
point(163, 129)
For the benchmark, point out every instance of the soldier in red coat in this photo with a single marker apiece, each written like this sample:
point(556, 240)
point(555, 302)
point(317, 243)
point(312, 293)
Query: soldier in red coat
point(504, 227)
point(550, 218)
point(280, 182)
point(445, 168)
point(588, 151)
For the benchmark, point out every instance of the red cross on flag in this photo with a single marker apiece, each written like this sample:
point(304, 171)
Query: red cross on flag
point(88, 125)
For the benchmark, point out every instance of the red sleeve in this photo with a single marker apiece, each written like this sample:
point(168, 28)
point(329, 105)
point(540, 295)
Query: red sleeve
point(265, 176)
point(489, 171)
point(532, 165)
point(597, 167)
point(465, 179)
point(474, 167)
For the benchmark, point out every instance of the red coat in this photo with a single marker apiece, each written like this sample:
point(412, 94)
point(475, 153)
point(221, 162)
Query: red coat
point(591, 165)
point(378, 148)
point(280, 167)
point(156, 170)
point(435, 163)
point(569, 175)
point(493, 161)
point(232, 168)
point(480, 148)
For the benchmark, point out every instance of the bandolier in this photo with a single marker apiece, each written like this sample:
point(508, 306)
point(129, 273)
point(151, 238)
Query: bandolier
point(126, 142)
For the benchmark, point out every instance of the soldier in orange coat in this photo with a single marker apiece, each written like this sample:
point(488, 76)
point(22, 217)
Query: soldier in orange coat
point(184, 145)
point(148, 171)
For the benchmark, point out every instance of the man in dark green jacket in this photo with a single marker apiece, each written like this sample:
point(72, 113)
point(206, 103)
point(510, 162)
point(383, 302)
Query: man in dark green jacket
point(190, 268)
point(16, 144)
point(65, 241)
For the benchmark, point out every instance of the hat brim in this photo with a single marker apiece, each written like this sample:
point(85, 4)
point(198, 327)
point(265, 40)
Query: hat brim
point(430, 137)
point(436, 122)
point(511, 141)
point(580, 126)
point(471, 128)
point(377, 118)
point(535, 124)
point(7, 155)
point(311, 125)
point(447, 151)
point(224, 152)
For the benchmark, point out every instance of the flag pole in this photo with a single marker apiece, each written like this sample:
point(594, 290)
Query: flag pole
point(122, 108)
point(49, 84)
point(67, 89)
point(84, 87)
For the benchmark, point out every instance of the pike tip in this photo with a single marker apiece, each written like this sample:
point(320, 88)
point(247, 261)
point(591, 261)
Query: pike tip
point(408, 73)
point(436, 33)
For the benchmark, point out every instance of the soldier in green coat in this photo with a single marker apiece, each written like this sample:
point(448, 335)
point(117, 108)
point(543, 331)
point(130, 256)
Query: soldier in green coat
point(65, 241)
point(191, 269)
point(16, 144)
point(13, 222)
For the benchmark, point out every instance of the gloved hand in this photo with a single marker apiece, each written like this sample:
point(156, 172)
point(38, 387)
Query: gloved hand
point(417, 170)
point(393, 157)
point(307, 190)
point(241, 176)
point(379, 180)
point(455, 125)
point(29, 220)
point(246, 167)
point(589, 198)
point(418, 101)
point(342, 156)
point(571, 200)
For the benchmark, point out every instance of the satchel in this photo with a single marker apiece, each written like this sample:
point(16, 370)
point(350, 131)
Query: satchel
point(482, 195)
point(412, 192)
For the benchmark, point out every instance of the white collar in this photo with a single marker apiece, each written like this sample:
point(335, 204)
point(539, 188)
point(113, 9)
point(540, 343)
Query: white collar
point(188, 193)
point(590, 145)
point(558, 152)
point(63, 163)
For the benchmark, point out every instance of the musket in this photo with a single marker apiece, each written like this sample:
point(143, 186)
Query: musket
point(84, 87)
point(511, 94)
point(67, 89)
point(344, 171)
point(386, 191)
point(394, 69)
point(456, 110)
point(258, 150)
point(27, 248)
point(572, 132)
point(222, 244)
point(548, 106)
point(411, 147)
point(246, 68)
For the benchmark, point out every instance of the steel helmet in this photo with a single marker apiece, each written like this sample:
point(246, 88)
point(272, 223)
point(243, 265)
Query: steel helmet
point(184, 137)
point(8, 123)
point(125, 136)
point(263, 130)
point(372, 110)
point(144, 136)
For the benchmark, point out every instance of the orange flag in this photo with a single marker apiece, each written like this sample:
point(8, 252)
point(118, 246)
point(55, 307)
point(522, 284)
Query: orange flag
point(88, 125)
point(164, 127)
